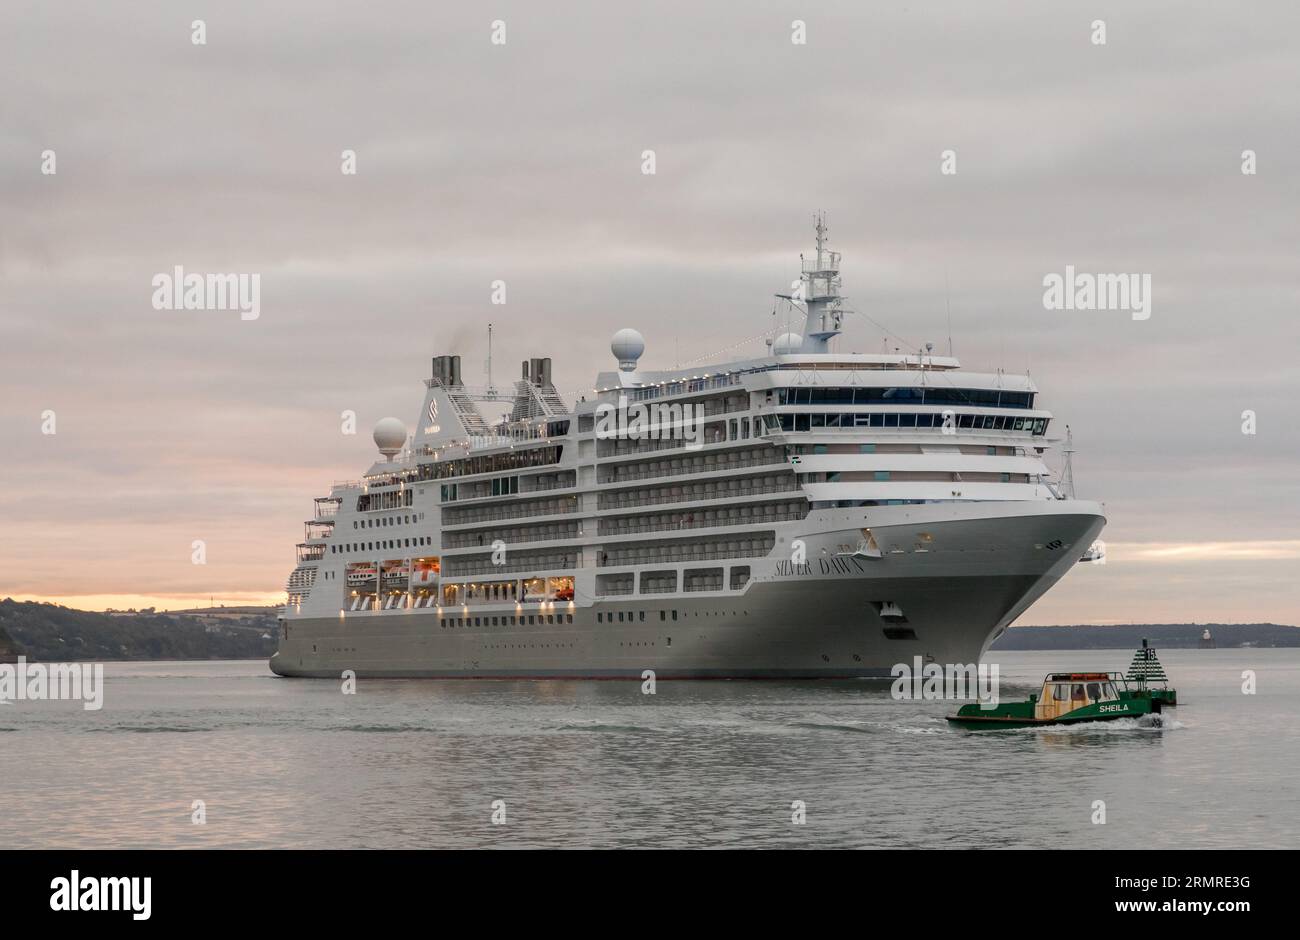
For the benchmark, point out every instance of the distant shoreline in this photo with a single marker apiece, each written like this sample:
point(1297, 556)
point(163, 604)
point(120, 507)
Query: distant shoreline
point(1160, 635)
point(51, 633)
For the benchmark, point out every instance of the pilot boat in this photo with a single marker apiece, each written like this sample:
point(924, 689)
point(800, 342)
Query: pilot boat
point(1073, 697)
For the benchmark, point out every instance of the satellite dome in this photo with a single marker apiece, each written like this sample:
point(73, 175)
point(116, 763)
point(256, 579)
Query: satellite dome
point(390, 436)
point(627, 347)
point(787, 343)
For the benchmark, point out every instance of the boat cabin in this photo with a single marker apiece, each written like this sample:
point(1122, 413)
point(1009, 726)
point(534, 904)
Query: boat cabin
point(1063, 692)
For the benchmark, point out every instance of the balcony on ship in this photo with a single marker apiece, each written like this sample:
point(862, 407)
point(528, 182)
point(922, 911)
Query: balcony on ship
point(316, 529)
point(712, 463)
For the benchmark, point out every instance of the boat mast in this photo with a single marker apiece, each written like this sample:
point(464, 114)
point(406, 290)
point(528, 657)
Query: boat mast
point(821, 283)
point(1067, 474)
point(491, 391)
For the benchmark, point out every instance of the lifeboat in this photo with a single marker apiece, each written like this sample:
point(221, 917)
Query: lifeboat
point(363, 575)
point(425, 574)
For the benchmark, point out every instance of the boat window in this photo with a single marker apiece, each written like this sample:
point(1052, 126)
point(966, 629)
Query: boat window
point(1077, 692)
point(1061, 692)
point(1094, 691)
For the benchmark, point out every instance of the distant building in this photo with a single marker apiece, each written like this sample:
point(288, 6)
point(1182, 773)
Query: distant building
point(1207, 641)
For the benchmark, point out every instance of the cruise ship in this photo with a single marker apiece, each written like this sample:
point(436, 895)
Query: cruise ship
point(809, 513)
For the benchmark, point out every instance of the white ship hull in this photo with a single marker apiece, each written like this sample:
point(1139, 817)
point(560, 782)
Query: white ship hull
point(981, 567)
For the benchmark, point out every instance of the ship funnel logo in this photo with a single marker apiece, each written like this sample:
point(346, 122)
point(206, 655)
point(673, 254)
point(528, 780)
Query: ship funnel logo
point(433, 427)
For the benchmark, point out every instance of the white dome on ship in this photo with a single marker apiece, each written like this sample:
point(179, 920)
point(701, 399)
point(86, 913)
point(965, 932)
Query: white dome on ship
point(390, 436)
point(627, 347)
point(787, 343)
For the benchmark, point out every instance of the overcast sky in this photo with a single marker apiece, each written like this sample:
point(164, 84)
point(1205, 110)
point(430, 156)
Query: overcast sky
point(522, 162)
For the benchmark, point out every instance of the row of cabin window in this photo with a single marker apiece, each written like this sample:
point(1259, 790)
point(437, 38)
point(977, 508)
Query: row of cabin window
point(542, 619)
point(883, 476)
point(609, 617)
point(992, 397)
point(501, 486)
point(811, 422)
point(991, 450)
point(423, 540)
point(391, 499)
point(511, 460)
point(383, 521)
point(506, 621)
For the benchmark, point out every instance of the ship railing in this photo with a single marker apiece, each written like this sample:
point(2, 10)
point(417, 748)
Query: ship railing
point(679, 558)
point(684, 525)
point(822, 261)
point(469, 570)
point(547, 487)
point(481, 489)
point(513, 538)
point(675, 387)
point(621, 477)
point(608, 503)
point(499, 514)
point(654, 446)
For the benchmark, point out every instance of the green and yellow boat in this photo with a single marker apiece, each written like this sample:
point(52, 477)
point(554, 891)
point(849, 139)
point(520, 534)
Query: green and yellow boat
point(1072, 697)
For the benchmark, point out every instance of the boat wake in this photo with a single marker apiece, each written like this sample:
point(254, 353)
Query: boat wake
point(1161, 722)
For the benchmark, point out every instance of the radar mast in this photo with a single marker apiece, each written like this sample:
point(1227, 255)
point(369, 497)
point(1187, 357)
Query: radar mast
point(821, 294)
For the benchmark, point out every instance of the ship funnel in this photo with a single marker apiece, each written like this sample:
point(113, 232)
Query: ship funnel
point(446, 369)
point(537, 371)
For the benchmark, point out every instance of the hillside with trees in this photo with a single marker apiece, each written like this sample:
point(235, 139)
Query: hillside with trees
point(49, 632)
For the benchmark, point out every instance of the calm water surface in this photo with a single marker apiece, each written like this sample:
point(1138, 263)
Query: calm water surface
point(418, 763)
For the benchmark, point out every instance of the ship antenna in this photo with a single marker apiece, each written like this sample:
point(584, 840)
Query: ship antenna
point(491, 389)
point(947, 305)
point(1067, 475)
point(821, 296)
